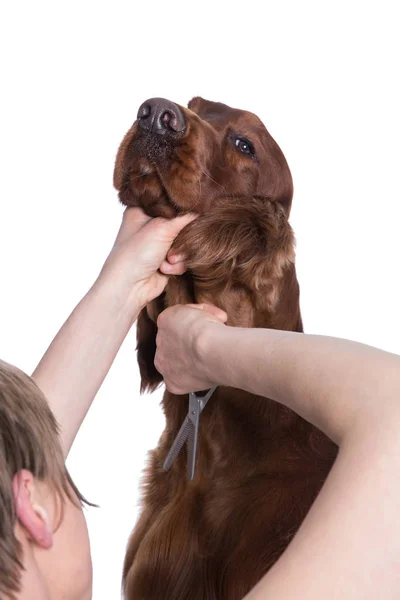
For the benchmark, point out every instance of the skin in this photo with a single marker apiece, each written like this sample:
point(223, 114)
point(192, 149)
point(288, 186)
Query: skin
point(349, 544)
point(70, 374)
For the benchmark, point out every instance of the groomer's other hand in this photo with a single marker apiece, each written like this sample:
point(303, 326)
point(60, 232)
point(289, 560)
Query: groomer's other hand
point(140, 260)
point(136, 271)
point(181, 340)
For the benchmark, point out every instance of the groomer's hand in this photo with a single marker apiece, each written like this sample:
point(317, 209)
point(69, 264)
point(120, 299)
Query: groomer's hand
point(139, 262)
point(182, 334)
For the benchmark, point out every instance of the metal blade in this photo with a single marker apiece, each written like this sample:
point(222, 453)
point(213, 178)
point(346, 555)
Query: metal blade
point(192, 449)
point(176, 447)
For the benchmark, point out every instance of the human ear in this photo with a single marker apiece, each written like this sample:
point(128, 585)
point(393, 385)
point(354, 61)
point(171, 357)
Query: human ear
point(31, 513)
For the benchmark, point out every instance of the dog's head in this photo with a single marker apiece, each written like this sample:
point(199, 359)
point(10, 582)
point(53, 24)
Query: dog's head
point(176, 159)
point(223, 164)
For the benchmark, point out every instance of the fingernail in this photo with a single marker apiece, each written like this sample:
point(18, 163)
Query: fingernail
point(175, 258)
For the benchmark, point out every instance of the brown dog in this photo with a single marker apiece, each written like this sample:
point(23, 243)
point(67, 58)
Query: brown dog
point(259, 465)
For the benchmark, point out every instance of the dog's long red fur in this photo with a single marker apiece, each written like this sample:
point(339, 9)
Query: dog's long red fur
point(259, 465)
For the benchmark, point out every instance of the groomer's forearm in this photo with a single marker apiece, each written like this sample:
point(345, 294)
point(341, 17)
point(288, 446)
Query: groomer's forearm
point(348, 546)
point(80, 356)
point(329, 381)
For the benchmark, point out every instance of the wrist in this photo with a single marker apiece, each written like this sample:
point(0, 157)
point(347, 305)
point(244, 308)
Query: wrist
point(120, 299)
point(208, 348)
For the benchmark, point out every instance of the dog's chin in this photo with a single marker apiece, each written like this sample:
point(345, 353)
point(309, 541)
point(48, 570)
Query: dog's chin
point(152, 156)
point(161, 209)
point(162, 206)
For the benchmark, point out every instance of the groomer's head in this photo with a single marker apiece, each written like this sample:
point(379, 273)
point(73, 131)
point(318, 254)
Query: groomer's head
point(44, 548)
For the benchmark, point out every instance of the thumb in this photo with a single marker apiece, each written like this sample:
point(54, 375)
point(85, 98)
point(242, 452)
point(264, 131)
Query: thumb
point(216, 312)
point(169, 228)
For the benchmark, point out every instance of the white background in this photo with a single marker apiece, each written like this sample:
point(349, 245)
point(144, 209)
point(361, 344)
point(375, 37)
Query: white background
point(322, 76)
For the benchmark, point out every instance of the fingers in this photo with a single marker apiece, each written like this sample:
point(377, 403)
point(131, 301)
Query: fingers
point(216, 312)
point(175, 258)
point(166, 230)
point(174, 226)
point(134, 218)
point(172, 269)
point(174, 265)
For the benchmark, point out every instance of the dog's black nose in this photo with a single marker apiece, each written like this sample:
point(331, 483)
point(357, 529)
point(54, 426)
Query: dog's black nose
point(161, 116)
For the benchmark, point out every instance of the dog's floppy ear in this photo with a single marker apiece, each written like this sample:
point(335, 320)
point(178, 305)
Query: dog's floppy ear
point(275, 180)
point(146, 333)
point(119, 168)
point(204, 108)
point(196, 104)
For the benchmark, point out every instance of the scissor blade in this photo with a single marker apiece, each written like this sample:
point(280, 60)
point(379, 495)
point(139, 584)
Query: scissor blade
point(176, 447)
point(192, 449)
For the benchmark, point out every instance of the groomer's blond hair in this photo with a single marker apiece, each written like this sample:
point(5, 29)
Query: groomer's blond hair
point(29, 439)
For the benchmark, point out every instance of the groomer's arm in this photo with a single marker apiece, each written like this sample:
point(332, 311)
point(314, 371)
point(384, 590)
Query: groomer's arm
point(349, 545)
point(78, 359)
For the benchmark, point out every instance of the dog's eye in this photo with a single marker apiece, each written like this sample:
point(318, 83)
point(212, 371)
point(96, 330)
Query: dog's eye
point(244, 146)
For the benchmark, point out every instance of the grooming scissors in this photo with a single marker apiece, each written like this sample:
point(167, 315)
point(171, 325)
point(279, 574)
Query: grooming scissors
point(189, 432)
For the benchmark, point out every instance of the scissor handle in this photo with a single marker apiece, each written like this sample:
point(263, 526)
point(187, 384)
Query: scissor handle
point(202, 399)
